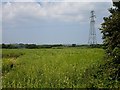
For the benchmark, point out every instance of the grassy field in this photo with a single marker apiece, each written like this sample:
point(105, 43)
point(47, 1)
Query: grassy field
point(47, 68)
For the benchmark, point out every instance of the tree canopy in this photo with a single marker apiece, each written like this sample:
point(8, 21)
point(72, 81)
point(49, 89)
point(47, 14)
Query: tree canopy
point(111, 33)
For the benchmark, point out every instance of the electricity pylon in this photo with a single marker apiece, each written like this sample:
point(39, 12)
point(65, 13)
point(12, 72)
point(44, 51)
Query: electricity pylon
point(92, 33)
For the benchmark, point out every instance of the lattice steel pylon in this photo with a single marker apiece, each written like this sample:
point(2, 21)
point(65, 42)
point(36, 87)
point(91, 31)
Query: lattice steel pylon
point(92, 32)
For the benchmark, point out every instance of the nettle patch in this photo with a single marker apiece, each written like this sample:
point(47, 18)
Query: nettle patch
point(9, 61)
point(11, 55)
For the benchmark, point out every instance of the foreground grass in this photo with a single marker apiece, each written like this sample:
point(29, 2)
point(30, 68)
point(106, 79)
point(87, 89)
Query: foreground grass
point(48, 68)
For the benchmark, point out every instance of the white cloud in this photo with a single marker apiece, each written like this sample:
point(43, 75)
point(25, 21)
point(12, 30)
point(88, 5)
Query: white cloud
point(60, 0)
point(65, 11)
point(18, 0)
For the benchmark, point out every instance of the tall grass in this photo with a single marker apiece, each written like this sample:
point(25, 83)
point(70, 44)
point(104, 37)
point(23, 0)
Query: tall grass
point(50, 68)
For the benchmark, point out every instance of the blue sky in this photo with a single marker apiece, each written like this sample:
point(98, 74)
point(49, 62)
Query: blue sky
point(51, 22)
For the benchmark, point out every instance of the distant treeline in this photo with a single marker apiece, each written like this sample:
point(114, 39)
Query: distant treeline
point(34, 46)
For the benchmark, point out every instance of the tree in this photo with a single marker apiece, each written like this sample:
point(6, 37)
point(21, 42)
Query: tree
point(3, 45)
point(31, 46)
point(107, 73)
point(73, 45)
point(111, 33)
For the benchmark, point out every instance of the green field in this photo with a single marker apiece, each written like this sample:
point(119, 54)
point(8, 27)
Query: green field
point(47, 68)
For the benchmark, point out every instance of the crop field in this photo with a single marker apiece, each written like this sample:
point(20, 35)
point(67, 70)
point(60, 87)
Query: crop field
point(47, 68)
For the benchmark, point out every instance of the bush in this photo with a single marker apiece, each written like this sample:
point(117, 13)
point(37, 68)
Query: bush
point(111, 36)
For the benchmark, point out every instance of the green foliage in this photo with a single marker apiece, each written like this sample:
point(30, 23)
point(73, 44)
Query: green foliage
point(101, 75)
point(11, 54)
point(107, 74)
point(34, 46)
point(9, 59)
point(110, 29)
point(111, 35)
point(49, 68)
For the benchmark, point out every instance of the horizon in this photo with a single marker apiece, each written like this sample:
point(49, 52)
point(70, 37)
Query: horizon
point(46, 44)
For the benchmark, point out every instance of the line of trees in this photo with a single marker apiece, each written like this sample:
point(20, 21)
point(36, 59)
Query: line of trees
point(34, 46)
point(28, 46)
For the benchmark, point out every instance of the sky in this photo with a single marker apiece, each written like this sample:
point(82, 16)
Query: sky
point(51, 22)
